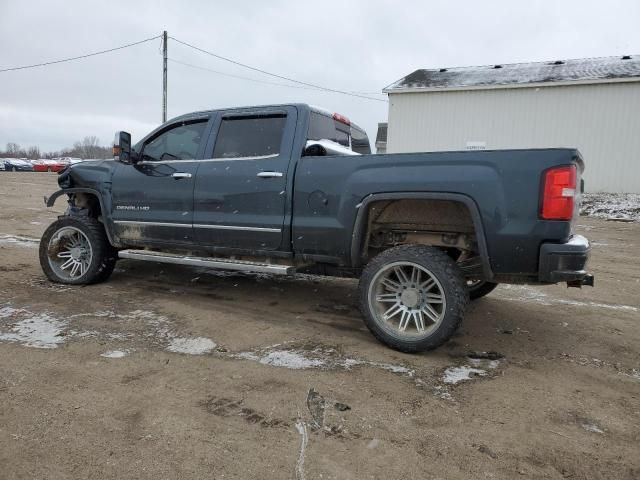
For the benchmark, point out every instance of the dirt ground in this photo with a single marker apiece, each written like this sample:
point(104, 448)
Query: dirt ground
point(173, 372)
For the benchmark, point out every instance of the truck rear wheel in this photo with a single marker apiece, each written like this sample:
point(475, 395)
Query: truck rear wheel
point(413, 297)
point(480, 288)
point(76, 251)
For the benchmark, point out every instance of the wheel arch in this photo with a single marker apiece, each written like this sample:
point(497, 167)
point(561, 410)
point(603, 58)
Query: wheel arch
point(51, 200)
point(360, 227)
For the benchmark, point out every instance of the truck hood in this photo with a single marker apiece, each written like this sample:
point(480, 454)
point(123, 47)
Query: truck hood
point(87, 174)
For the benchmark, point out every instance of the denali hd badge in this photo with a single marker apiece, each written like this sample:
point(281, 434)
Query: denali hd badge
point(133, 207)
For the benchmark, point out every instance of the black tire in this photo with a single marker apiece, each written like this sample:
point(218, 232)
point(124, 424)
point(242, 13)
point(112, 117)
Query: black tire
point(451, 284)
point(103, 255)
point(481, 289)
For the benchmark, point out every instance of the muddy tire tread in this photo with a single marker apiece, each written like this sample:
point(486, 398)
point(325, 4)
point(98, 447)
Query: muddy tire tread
point(105, 256)
point(449, 275)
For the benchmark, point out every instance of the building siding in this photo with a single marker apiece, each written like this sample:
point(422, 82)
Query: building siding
point(601, 120)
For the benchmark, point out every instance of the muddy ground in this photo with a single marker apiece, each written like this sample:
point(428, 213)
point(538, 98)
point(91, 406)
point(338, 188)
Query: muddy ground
point(175, 372)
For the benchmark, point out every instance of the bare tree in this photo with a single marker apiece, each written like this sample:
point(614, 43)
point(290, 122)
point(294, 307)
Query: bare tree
point(89, 147)
point(33, 153)
point(13, 149)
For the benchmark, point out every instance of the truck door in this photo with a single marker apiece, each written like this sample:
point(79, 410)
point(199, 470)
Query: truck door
point(240, 196)
point(153, 199)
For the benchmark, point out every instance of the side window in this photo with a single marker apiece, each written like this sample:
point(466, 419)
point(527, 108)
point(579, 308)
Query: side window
point(250, 136)
point(178, 143)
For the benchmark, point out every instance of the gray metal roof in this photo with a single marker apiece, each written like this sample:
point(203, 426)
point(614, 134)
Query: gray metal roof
point(516, 74)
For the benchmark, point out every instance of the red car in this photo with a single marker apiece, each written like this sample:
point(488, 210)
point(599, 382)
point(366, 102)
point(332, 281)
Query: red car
point(48, 165)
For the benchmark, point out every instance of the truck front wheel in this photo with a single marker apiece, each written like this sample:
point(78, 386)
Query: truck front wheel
point(413, 297)
point(76, 251)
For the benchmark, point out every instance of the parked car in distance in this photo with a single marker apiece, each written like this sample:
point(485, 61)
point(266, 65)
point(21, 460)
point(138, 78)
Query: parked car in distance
point(69, 160)
point(17, 165)
point(48, 165)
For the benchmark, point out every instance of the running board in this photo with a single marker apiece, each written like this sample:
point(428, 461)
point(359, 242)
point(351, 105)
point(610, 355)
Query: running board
point(220, 263)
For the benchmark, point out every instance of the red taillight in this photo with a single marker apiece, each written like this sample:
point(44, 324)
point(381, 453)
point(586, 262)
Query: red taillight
point(559, 193)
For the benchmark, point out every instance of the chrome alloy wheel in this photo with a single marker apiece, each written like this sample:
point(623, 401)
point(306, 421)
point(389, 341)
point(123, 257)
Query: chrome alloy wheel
point(70, 253)
point(407, 299)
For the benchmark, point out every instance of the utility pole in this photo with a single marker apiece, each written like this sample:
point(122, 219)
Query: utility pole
point(164, 76)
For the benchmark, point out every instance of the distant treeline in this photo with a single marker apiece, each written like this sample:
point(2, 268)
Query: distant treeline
point(88, 147)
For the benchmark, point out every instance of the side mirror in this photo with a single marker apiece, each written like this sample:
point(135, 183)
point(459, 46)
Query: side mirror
point(122, 147)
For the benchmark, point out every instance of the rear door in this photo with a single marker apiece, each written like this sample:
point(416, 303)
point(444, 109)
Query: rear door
point(240, 195)
point(153, 199)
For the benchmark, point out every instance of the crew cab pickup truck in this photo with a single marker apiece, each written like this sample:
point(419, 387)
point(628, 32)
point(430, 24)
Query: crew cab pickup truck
point(293, 188)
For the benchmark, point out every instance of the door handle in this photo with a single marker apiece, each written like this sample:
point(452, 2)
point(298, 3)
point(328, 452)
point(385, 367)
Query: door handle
point(269, 174)
point(181, 175)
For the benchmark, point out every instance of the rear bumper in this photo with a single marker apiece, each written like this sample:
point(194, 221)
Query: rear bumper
point(565, 262)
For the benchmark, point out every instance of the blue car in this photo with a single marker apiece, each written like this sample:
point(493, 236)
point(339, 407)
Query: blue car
point(17, 165)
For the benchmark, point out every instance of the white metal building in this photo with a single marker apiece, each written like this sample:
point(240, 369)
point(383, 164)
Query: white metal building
point(592, 104)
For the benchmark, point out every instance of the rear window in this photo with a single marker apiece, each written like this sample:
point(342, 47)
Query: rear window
point(324, 127)
point(250, 136)
point(359, 141)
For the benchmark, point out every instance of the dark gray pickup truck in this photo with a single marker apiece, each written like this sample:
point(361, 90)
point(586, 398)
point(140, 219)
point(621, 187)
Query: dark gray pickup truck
point(293, 188)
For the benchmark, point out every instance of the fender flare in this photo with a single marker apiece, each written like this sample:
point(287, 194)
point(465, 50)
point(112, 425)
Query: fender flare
point(50, 201)
point(359, 227)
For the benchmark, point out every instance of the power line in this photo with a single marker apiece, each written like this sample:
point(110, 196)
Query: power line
point(225, 74)
point(79, 57)
point(282, 77)
point(266, 82)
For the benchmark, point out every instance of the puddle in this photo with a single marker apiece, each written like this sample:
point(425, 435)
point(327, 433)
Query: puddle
point(18, 240)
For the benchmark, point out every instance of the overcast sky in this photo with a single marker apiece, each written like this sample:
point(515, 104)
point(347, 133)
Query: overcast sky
point(356, 45)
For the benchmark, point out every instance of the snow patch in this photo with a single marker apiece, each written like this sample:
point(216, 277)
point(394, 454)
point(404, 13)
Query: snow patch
point(191, 346)
point(590, 427)
point(115, 354)
point(6, 312)
point(317, 357)
point(611, 206)
point(301, 427)
point(484, 363)
point(332, 148)
point(293, 360)
point(534, 295)
point(37, 331)
point(19, 241)
point(453, 375)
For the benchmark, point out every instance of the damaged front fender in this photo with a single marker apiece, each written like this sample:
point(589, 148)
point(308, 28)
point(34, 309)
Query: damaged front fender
point(104, 212)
